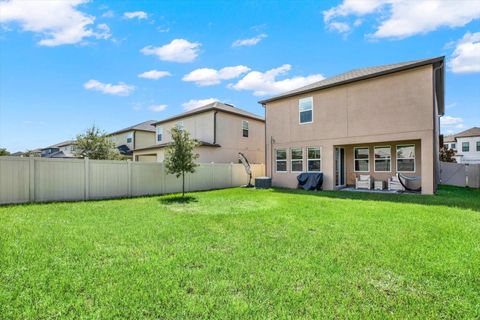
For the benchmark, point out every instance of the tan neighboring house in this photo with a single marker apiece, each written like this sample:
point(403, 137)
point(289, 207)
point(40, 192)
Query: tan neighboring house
point(64, 149)
point(373, 121)
point(221, 130)
point(137, 136)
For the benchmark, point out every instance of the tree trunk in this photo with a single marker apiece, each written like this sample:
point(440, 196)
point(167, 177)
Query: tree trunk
point(183, 184)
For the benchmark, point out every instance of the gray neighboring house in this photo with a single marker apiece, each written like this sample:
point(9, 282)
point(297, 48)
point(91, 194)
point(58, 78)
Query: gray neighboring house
point(466, 144)
point(64, 149)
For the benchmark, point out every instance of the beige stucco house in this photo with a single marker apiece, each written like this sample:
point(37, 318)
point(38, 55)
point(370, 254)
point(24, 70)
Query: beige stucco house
point(221, 130)
point(137, 136)
point(373, 121)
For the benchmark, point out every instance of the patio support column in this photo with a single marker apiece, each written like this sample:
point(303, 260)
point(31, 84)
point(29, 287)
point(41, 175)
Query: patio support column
point(328, 167)
point(427, 164)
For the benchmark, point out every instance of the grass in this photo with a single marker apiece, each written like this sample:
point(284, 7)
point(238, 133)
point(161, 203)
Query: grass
point(244, 253)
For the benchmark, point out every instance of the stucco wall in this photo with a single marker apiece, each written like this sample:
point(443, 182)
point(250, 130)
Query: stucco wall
point(144, 139)
point(395, 107)
point(200, 127)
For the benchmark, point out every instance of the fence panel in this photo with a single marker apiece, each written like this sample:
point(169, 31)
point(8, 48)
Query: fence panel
point(42, 179)
point(14, 180)
point(57, 179)
point(147, 178)
point(108, 179)
point(473, 175)
point(460, 174)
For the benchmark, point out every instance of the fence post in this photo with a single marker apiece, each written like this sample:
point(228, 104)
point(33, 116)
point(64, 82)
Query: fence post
point(87, 178)
point(32, 179)
point(129, 177)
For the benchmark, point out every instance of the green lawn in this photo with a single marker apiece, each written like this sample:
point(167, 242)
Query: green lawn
point(243, 253)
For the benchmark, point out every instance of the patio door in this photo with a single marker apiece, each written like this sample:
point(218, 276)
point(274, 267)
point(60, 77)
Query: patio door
point(339, 167)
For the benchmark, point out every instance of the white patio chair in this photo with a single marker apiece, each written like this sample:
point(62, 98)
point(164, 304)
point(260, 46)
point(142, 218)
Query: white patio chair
point(394, 184)
point(364, 181)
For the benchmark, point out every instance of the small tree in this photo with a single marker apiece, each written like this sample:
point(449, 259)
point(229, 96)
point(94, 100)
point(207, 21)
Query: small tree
point(4, 152)
point(180, 157)
point(447, 155)
point(95, 144)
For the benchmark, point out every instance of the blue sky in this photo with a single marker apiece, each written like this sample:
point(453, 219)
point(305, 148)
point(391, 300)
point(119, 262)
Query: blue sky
point(66, 65)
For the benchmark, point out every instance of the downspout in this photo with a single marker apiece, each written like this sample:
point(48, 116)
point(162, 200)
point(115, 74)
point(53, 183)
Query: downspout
point(265, 136)
point(215, 127)
point(436, 124)
point(134, 138)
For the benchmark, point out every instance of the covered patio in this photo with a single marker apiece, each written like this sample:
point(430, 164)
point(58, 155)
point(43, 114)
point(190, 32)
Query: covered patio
point(374, 167)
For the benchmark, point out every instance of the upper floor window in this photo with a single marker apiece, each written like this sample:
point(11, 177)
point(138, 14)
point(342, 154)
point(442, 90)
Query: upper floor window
point(297, 159)
point(465, 146)
point(281, 160)
point(314, 158)
point(361, 159)
point(453, 146)
point(406, 158)
point(159, 134)
point(478, 145)
point(245, 128)
point(382, 159)
point(180, 125)
point(130, 138)
point(305, 110)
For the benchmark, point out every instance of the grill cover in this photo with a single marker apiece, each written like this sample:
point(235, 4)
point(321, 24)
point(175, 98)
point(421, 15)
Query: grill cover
point(310, 180)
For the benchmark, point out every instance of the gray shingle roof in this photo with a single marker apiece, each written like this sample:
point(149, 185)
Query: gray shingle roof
point(355, 75)
point(166, 144)
point(472, 132)
point(214, 106)
point(144, 126)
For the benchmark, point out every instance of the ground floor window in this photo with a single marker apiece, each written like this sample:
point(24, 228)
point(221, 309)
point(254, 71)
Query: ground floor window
point(297, 159)
point(281, 160)
point(406, 158)
point(362, 159)
point(382, 159)
point(314, 156)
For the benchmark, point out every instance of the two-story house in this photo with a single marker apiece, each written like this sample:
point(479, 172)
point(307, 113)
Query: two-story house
point(466, 144)
point(137, 136)
point(373, 121)
point(221, 130)
point(65, 149)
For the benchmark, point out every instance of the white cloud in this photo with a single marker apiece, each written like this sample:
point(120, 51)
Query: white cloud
point(154, 74)
point(208, 77)
point(340, 27)
point(194, 104)
point(405, 18)
point(266, 83)
point(249, 42)
point(120, 89)
point(450, 124)
point(108, 14)
point(135, 15)
point(179, 50)
point(157, 107)
point(58, 22)
point(466, 56)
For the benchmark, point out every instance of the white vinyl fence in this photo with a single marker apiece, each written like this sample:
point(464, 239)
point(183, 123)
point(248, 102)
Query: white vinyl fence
point(41, 179)
point(460, 174)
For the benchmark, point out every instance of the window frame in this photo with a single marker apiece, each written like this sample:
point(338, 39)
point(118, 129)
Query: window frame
point(300, 112)
point(414, 158)
point(296, 160)
point(130, 136)
point(247, 129)
point(466, 143)
point(478, 145)
point(389, 158)
point(286, 160)
point(355, 159)
point(315, 159)
point(159, 131)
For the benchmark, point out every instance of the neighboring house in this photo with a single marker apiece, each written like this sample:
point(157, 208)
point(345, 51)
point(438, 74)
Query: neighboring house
point(65, 149)
point(466, 144)
point(221, 130)
point(373, 121)
point(137, 136)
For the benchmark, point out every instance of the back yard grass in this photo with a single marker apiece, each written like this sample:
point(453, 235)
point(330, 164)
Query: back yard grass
point(243, 253)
